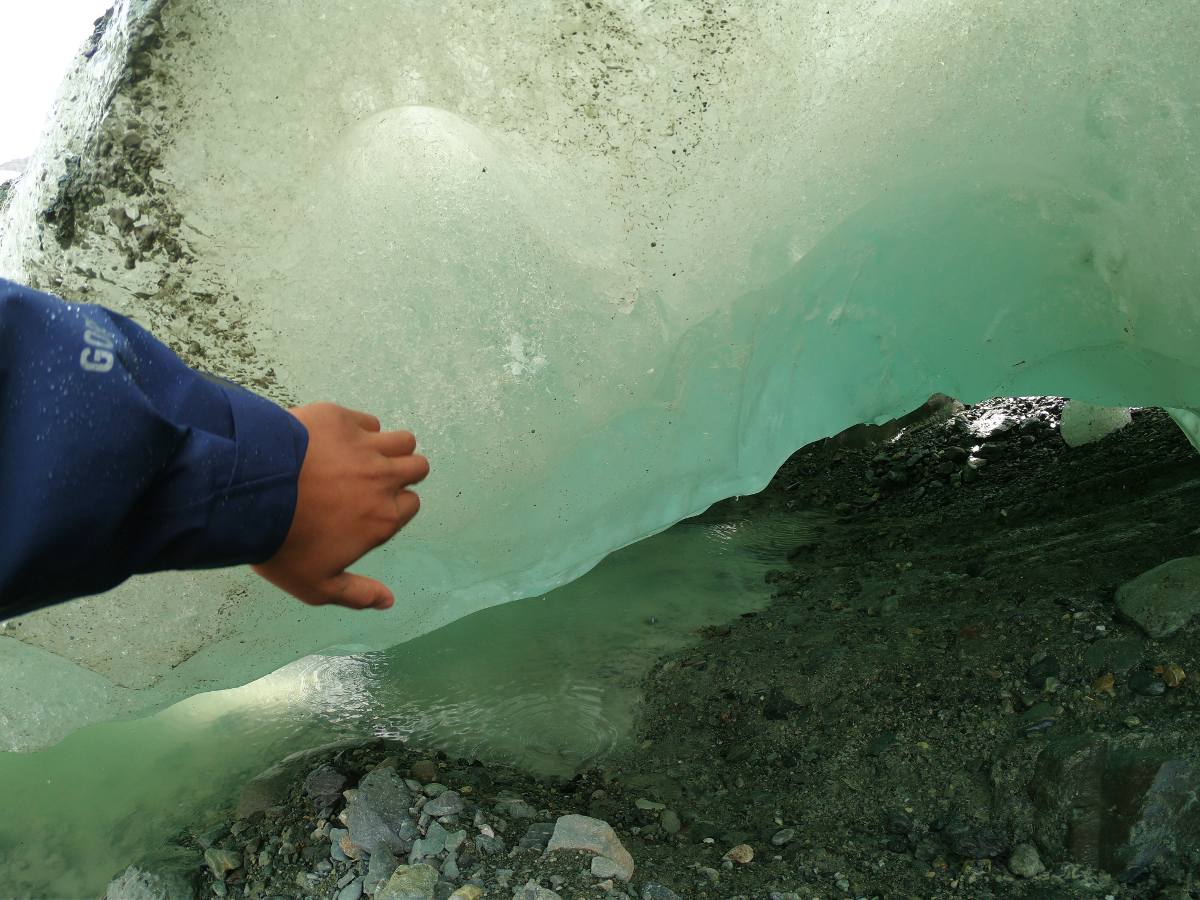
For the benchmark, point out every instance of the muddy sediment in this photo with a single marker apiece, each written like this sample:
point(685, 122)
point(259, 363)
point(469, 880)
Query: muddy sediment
point(943, 699)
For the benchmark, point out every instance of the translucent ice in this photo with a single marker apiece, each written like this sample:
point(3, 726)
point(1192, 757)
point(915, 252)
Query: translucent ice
point(611, 262)
point(1083, 423)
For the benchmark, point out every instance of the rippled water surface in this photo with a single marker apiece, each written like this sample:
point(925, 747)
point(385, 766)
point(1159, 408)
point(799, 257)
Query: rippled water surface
point(549, 683)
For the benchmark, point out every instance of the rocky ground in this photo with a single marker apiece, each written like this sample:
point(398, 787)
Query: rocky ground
point(961, 688)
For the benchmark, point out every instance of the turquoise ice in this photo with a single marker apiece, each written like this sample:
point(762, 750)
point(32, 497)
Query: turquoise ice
point(611, 262)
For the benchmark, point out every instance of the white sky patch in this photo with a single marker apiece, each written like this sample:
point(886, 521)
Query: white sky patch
point(38, 41)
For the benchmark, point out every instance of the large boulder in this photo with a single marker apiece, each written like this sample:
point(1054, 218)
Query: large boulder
point(410, 883)
point(1118, 805)
point(377, 814)
point(576, 832)
point(1164, 599)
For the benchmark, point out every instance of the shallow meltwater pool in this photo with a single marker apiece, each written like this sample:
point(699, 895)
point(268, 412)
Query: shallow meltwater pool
point(548, 683)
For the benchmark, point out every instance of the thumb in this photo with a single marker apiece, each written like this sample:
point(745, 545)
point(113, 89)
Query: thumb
point(357, 592)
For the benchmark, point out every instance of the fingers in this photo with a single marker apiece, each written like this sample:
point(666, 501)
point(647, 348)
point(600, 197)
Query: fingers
point(406, 470)
point(408, 505)
point(364, 420)
point(395, 443)
point(392, 512)
point(344, 589)
point(357, 592)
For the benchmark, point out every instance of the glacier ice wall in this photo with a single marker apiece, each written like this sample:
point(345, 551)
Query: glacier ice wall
point(611, 260)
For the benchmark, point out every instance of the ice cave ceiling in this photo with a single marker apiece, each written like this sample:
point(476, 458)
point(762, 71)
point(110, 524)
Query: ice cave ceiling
point(610, 260)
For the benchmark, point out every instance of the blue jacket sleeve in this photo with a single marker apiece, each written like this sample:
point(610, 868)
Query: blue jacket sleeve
point(116, 458)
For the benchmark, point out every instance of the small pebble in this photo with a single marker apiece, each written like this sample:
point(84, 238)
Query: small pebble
point(741, 854)
point(1025, 862)
point(783, 837)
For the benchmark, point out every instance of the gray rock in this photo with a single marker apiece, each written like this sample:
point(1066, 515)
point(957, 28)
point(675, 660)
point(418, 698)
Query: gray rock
point(537, 836)
point(432, 844)
point(222, 861)
point(1025, 862)
point(368, 831)
point(576, 832)
point(446, 804)
point(603, 867)
point(783, 837)
point(167, 875)
point(489, 845)
point(450, 870)
point(654, 891)
point(351, 891)
point(385, 792)
point(377, 814)
point(1164, 599)
point(305, 881)
point(517, 808)
point(382, 866)
point(1120, 804)
point(670, 821)
point(324, 785)
point(410, 883)
point(534, 891)
point(335, 844)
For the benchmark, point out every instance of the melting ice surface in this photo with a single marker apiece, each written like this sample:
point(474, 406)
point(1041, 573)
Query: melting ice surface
point(548, 683)
point(611, 262)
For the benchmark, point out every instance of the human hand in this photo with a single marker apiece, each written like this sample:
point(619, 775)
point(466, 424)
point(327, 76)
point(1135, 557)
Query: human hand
point(353, 496)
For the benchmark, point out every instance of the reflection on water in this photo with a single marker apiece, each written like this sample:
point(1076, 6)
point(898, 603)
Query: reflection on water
point(549, 683)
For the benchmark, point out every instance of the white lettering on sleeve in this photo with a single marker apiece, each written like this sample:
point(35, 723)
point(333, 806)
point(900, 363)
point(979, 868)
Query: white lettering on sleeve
point(93, 360)
point(97, 355)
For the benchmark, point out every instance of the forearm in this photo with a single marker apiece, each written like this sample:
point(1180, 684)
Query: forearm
point(116, 458)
